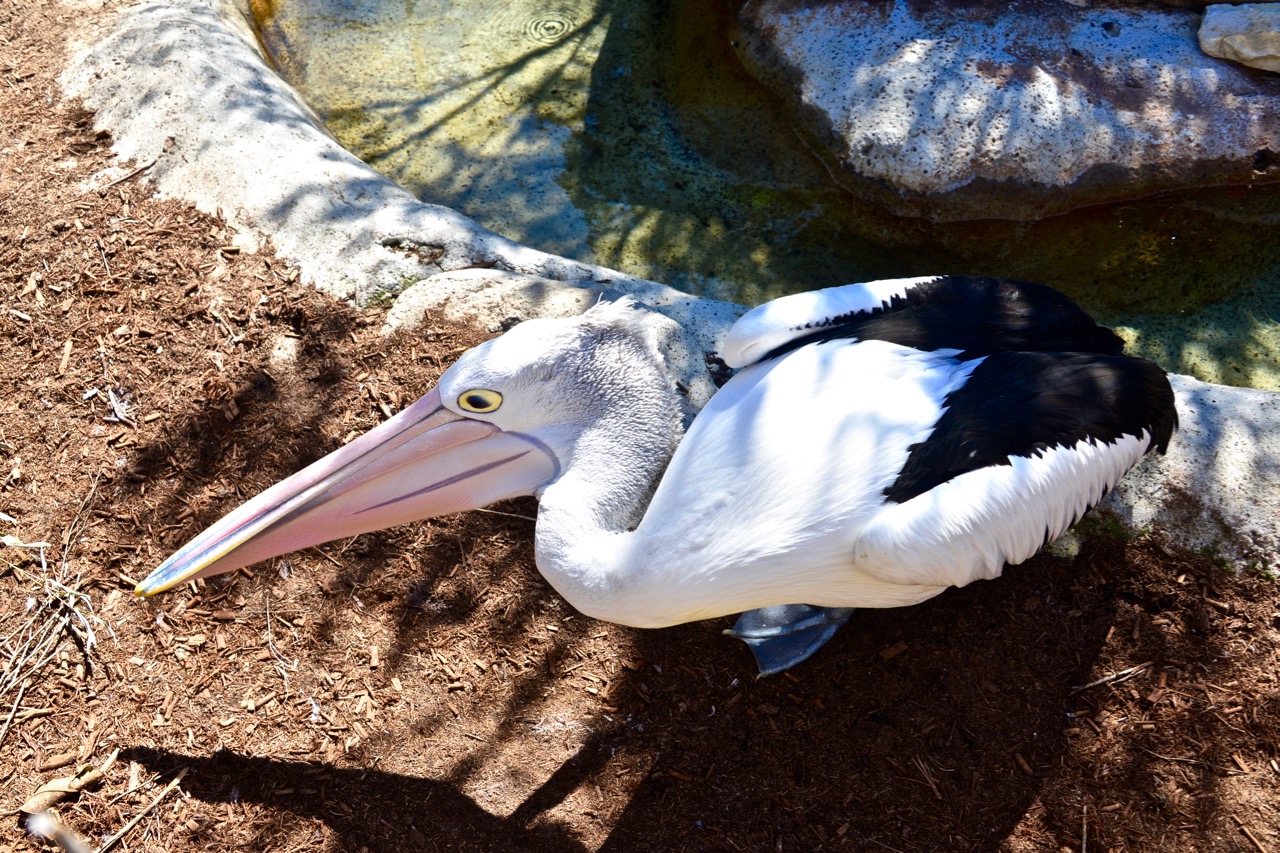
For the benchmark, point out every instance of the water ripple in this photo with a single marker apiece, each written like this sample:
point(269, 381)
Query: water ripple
point(548, 26)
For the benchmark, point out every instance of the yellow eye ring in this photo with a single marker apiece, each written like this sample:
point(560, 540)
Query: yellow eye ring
point(480, 400)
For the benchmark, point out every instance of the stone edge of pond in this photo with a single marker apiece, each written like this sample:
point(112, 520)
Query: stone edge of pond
point(184, 89)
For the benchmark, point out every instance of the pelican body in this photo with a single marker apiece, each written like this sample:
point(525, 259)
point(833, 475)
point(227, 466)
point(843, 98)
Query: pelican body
point(879, 443)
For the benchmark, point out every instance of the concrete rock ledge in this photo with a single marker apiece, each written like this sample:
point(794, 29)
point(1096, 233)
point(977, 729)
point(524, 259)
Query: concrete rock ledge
point(182, 86)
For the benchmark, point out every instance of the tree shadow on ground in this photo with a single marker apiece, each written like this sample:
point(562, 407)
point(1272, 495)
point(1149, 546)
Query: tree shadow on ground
point(369, 808)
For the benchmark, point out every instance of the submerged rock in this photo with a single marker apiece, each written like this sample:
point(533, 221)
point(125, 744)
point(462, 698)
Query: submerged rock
point(1248, 34)
point(966, 110)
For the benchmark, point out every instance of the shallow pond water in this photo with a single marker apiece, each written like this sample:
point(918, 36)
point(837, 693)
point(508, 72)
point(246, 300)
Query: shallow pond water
point(627, 135)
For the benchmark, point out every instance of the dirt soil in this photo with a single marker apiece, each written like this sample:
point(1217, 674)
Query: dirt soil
point(423, 689)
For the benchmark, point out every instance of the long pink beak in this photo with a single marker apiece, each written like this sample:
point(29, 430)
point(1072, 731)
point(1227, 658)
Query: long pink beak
point(424, 462)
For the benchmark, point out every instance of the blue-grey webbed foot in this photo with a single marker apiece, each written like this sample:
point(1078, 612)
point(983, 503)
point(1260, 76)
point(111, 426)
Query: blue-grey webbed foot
point(781, 637)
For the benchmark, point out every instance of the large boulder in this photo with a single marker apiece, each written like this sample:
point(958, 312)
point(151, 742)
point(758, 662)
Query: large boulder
point(1248, 34)
point(969, 110)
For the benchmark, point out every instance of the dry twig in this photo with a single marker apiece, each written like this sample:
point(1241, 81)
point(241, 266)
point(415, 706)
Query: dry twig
point(1116, 677)
point(131, 175)
point(16, 702)
point(1249, 835)
point(173, 783)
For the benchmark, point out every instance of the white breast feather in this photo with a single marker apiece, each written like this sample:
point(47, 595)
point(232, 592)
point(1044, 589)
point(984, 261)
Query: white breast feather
point(780, 472)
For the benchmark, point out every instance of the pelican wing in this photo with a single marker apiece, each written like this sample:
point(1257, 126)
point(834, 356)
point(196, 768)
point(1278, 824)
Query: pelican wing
point(1022, 451)
point(891, 439)
point(1023, 403)
point(973, 315)
point(765, 497)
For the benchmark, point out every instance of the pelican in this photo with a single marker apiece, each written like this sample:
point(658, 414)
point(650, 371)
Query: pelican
point(880, 443)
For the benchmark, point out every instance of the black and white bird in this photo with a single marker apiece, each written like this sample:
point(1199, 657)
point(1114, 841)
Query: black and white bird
point(880, 443)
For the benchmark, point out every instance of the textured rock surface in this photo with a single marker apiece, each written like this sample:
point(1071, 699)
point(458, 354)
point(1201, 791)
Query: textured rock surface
point(1248, 34)
point(1218, 488)
point(986, 110)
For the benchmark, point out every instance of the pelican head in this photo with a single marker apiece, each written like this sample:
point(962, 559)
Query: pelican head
point(507, 419)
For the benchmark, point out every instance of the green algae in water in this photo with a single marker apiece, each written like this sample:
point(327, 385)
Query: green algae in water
point(627, 135)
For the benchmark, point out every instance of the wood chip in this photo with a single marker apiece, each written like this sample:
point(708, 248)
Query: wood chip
point(1249, 835)
point(31, 714)
point(893, 651)
point(55, 762)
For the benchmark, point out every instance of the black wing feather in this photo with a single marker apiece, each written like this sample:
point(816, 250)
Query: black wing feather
point(974, 314)
point(1019, 403)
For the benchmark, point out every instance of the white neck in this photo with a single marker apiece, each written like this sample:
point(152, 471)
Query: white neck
point(584, 541)
point(588, 550)
point(645, 580)
point(586, 544)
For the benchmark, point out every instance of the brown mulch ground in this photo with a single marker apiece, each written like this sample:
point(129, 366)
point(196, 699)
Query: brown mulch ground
point(423, 689)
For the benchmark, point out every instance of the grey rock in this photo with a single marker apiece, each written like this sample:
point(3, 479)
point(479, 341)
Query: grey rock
point(1248, 34)
point(184, 89)
point(1216, 489)
point(958, 111)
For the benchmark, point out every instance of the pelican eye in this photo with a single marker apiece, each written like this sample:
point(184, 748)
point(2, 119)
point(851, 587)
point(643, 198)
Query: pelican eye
point(480, 400)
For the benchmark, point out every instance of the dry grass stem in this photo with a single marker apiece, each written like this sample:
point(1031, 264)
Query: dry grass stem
point(128, 827)
point(1116, 677)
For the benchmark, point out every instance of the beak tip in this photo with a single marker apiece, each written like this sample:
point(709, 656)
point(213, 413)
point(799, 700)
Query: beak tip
point(151, 586)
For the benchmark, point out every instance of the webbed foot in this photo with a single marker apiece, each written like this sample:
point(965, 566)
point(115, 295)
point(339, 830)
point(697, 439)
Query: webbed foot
point(781, 637)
